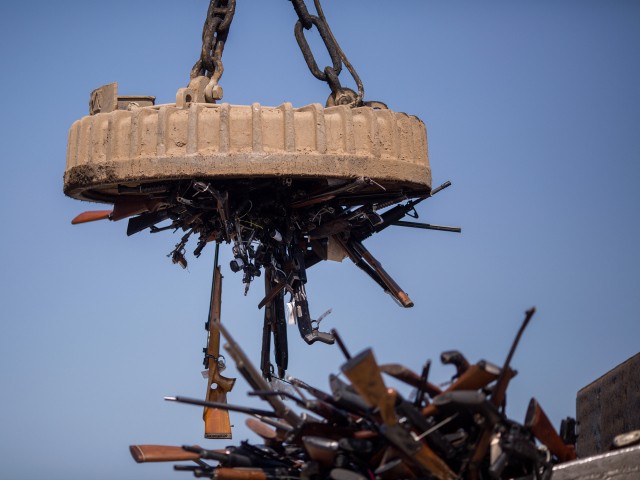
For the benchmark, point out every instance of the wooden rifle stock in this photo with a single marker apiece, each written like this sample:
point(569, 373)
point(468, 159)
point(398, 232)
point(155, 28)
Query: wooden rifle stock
point(160, 453)
point(538, 422)
point(91, 216)
point(122, 208)
point(224, 473)
point(216, 421)
point(409, 377)
point(366, 377)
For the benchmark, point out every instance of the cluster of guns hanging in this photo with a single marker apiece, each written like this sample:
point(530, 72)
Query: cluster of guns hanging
point(283, 227)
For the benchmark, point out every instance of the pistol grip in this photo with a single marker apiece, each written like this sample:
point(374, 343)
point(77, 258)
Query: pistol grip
point(317, 336)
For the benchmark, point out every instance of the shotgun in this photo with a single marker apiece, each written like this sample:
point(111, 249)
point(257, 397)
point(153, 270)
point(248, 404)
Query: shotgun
point(366, 377)
point(216, 421)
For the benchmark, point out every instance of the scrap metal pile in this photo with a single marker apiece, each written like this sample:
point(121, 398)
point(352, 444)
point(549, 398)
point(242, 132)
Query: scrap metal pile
point(364, 430)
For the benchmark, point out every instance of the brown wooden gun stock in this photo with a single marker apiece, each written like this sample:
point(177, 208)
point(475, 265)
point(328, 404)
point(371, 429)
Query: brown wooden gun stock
point(409, 377)
point(122, 208)
point(538, 422)
point(216, 421)
point(91, 216)
point(160, 453)
point(223, 473)
point(366, 377)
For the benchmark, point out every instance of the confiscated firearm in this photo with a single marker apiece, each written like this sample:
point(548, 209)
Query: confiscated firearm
point(216, 421)
point(540, 425)
point(282, 226)
point(363, 430)
point(255, 379)
point(497, 398)
point(366, 377)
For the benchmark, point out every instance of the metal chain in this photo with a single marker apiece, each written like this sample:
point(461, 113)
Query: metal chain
point(339, 95)
point(214, 36)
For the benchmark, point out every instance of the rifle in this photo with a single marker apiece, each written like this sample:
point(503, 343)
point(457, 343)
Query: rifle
point(476, 376)
point(366, 377)
point(265, 416)
point(395, 214)
point(226, 473)
point(538, 422)
point(160, 453)
point(216, 421)
point(233, 457)
point(255, 379)
point(122, 208)
point(497, 399)
point(364, 260)
point(334, 415)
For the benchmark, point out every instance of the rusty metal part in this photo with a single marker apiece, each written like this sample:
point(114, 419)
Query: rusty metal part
point(105, 99)
point(339, 94)
point(214, 36)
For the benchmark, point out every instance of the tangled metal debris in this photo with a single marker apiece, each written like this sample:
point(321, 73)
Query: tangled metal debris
point(363, 430)
point(282, 227)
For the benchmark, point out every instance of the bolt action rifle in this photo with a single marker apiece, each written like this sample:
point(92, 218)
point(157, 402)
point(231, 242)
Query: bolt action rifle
point(216, 421)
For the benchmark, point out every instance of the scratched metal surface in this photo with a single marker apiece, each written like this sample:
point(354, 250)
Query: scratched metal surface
point(608, 407)
point(623, 464)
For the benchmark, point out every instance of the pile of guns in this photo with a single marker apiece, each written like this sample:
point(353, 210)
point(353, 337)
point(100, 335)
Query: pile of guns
point(363, 430)
point(282, 226)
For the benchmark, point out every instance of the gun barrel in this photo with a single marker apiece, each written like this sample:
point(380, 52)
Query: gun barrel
point(222, 406)
point(255, 379)
point(426, 226)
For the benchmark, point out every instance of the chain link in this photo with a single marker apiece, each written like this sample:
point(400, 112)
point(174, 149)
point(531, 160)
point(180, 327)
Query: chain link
point(339, 95)
point(214, 36)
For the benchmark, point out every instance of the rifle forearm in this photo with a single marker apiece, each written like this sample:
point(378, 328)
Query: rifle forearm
point(538, 423)
point(160, 453)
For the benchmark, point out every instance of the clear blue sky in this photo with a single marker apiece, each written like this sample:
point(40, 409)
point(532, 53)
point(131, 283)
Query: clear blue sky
point(532, 110)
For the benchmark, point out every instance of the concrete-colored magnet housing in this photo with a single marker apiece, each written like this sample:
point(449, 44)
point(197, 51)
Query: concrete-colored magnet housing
point(223, 141)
